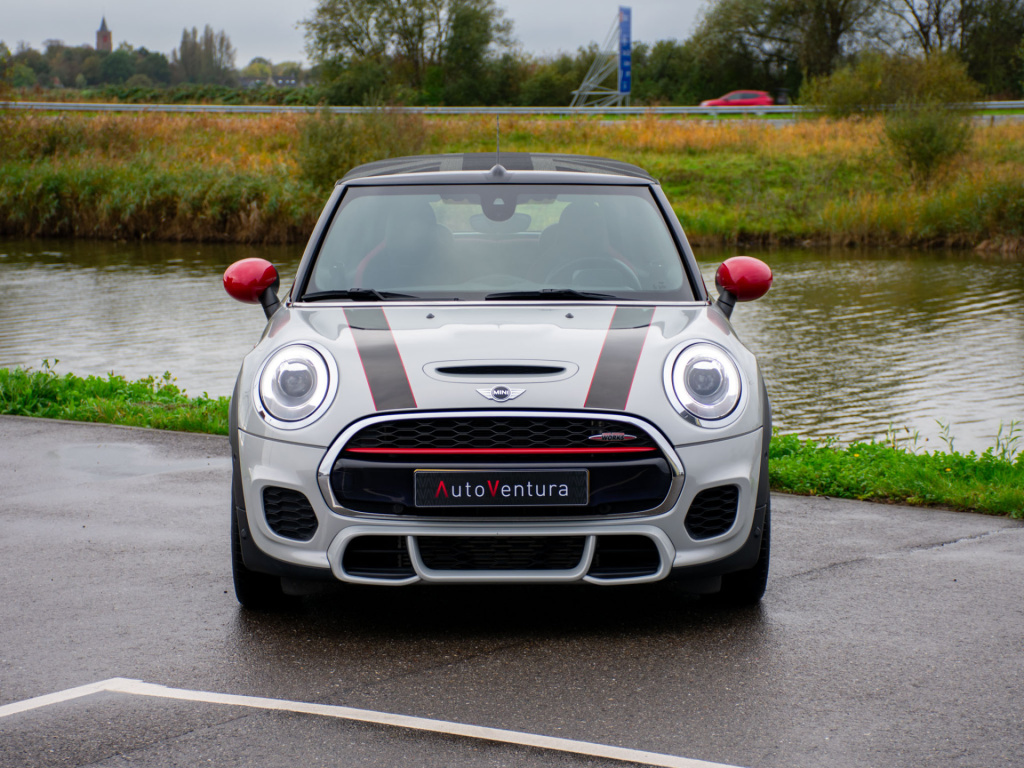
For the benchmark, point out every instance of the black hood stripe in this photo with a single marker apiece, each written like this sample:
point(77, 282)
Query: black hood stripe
point(382, 363)
point(616, 367)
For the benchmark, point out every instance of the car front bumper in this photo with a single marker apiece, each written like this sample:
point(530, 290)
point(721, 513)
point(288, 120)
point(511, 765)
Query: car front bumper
point(659, 537)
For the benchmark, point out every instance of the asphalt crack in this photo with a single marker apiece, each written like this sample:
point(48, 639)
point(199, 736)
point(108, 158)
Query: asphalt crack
point(903, 551)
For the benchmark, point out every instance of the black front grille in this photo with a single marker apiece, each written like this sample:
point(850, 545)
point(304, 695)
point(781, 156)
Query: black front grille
point(621, 557)
point(505, 553)
point(498, 432)
point(375, 471)
point(713, 512)
point(289, 513)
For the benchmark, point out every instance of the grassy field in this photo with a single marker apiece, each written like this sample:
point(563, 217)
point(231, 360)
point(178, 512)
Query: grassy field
point(238, 178)
point(991, 483)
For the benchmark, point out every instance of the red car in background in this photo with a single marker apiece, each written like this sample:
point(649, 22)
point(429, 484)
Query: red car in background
point(741, 99)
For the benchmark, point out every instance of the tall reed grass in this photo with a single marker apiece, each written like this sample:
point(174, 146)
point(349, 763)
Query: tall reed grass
point(254, 178)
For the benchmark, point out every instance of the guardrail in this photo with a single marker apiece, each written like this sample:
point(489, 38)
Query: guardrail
point(789, 110)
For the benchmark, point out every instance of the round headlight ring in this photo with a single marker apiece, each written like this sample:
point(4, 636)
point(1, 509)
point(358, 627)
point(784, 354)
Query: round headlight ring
point(705, 381)
point(294, 384)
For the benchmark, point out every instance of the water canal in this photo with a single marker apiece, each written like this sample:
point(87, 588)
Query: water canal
point(853, 344)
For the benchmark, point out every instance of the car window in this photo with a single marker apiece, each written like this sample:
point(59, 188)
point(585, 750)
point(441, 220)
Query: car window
point(471, 241)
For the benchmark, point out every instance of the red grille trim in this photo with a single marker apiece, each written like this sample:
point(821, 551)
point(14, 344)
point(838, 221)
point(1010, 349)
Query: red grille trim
point(501, 451)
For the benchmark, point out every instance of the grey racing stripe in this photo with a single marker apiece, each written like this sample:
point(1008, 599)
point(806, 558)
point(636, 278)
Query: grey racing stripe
point(616, 367)
point(382, 363)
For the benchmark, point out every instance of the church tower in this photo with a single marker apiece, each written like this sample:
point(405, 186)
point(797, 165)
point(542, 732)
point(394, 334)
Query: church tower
point(103, 42)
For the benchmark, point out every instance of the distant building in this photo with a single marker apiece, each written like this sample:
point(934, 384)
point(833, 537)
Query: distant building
point(103, 41)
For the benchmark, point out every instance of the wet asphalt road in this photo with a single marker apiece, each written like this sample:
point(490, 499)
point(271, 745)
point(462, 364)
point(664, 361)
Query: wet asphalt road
point(889, 637)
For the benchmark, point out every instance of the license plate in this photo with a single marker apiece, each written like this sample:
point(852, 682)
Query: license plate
point(484, 488)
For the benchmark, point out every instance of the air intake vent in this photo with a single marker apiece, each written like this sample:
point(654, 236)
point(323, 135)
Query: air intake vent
point(622, 557)
point(289, 513)
point(713, 512)
point(504, 553)
point(378, 557)
point(501, 370)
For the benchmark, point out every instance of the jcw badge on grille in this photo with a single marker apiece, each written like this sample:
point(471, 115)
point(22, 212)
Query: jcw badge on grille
point(485, 488)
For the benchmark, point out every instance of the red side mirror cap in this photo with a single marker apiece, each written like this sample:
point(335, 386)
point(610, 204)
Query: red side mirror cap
point(744, 277)
point(248, 279)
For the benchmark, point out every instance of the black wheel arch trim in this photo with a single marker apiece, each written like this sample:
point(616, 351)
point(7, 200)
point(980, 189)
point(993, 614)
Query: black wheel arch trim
point(741, 560)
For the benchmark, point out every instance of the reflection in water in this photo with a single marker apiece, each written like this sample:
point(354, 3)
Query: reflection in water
point(851, 343)
point(137, 309)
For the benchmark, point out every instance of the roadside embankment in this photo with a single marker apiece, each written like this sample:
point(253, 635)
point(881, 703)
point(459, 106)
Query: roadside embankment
point(245, 178)
point(992, 483)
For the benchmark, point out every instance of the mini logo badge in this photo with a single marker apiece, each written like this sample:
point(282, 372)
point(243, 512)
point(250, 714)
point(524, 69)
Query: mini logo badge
point(612, 437)
point(501, 393)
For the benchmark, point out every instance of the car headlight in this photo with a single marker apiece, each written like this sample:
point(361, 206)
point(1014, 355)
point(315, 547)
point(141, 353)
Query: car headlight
point(705, 381)
point(294, 383)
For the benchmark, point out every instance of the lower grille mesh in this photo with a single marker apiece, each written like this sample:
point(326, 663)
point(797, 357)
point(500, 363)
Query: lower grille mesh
point(713, 512)
point(506, 553)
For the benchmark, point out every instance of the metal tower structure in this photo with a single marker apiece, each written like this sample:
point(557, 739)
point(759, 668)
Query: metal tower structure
point(615, 56)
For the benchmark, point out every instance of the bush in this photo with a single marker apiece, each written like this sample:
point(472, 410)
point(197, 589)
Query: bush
point(330, 145)
point(925, 138)
point(877, 81)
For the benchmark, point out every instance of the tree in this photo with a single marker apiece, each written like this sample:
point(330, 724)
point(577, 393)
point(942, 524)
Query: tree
point(258, 69)
point(118, 66)
point(153, 65)
point(878, 81)
point(92, 69)
point(811, 35)
point(992, 44)
point(210, 59)
point(22, 76)
point(408, 37)
point(924, 25)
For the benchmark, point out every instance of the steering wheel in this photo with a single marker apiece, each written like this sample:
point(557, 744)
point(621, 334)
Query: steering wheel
point(564, 273)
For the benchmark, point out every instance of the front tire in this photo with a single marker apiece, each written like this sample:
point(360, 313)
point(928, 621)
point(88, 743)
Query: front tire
point(255, 591)
point(747, 587)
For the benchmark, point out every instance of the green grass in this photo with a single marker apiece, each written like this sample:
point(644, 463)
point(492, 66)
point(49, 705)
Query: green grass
point(992, 483)
point(154, 402)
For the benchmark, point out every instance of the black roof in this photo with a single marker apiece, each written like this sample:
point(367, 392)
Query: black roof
point(484, 161)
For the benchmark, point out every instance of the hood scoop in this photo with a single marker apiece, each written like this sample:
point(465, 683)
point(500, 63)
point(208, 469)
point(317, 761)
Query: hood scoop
point(491, 371)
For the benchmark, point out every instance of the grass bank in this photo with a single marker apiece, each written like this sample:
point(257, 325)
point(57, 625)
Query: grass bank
point(991, 483)
point(154, 402)
point(238, 178)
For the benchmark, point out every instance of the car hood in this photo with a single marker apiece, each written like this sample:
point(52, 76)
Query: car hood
point(600, 357)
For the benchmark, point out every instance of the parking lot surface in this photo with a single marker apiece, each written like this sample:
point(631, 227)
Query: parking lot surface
point(889, 636)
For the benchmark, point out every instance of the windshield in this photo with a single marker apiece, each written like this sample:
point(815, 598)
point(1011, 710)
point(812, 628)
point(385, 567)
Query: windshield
point(498, 242)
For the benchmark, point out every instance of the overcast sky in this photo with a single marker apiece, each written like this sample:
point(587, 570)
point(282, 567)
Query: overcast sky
point(270, 29)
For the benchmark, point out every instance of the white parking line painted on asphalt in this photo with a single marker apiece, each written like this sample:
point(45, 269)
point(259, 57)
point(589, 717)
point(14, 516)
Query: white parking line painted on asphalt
point(56, 698)
point(139, 688)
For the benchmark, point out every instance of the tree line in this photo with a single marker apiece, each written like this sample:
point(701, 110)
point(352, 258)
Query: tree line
point(202, 57)
point(463, 52)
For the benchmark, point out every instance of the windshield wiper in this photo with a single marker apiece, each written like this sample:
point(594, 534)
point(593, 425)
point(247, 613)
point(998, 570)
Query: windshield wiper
point(355, 294)
point(551, 293)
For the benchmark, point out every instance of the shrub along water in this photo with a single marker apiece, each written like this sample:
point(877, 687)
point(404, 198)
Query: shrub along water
point(264, 178)
point(992, 483)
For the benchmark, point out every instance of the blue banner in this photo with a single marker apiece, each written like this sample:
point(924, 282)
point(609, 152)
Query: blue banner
point(625, 50)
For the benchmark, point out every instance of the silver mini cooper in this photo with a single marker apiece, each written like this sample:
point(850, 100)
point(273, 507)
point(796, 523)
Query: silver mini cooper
point(499, 370)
